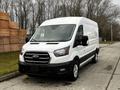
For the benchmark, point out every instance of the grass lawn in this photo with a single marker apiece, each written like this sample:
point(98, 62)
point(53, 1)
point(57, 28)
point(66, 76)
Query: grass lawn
point(8, 62)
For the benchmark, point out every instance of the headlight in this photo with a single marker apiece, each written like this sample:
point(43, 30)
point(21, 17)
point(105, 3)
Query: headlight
point(62, 52)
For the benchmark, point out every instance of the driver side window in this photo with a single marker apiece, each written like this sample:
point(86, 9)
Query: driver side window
point(79, 35)
point(80, 30)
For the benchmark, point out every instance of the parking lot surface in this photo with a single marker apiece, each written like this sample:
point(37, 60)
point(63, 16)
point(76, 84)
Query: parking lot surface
point(104, 75)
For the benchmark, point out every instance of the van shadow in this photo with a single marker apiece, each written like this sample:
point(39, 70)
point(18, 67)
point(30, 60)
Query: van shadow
point(54, 80)
point(48, 81)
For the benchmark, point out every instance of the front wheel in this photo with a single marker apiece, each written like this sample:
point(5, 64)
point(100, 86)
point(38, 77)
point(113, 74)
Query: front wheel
point(74, 73)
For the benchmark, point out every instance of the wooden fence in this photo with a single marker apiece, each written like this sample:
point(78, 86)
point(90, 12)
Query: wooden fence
point(11, 36)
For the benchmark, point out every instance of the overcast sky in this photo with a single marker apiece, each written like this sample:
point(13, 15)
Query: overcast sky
point(116, 2)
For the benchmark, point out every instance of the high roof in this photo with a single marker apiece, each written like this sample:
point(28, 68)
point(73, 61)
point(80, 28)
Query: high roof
point(68, 20)
point(62, 20)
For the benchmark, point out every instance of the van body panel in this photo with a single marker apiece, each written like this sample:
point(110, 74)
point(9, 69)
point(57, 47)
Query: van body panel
point(34, 50)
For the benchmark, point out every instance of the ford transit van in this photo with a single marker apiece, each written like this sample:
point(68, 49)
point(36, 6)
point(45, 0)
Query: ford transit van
point(60, 46)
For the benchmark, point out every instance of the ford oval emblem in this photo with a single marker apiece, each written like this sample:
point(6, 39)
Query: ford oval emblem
point(35, 56)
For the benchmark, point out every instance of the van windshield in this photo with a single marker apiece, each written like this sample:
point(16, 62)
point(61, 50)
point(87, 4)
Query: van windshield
point(54, 33)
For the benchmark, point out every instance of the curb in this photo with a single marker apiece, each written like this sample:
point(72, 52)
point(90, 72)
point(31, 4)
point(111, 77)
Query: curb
point(9, 76)
point(105, 46)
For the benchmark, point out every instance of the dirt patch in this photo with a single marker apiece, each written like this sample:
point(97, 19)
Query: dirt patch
point(109, 67)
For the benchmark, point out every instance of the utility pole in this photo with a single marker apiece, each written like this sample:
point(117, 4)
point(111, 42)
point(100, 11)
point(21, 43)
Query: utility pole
point(0, 5)
point(111, 32)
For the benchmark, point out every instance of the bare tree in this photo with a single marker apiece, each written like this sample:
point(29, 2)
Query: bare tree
point(22, 12)
point(5, 6)
point(40, 17)
point(12, 14)
point(102, 11)
point(30, 15)
point(64, 8)
point(75, 7)
point(37, 14)
point(0, 5)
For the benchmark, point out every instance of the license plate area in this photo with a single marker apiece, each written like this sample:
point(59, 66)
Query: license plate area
point(34, 69)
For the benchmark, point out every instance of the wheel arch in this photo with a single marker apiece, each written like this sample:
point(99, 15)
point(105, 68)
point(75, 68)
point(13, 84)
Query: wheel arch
point(97, 50)
point(76, 59)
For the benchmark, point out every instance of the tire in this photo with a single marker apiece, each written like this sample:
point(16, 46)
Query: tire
point(29, 75)
point(95, 58)
point(74, 72)
point(32, 76)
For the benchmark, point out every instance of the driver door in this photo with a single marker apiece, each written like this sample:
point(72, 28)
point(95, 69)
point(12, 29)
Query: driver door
point(80, 48)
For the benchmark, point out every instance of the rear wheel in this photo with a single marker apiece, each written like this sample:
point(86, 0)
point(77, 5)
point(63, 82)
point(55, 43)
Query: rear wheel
point(30, 75)
point(95, 58)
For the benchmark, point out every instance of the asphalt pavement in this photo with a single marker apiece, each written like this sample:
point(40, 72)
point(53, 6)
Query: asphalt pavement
point(104, 75)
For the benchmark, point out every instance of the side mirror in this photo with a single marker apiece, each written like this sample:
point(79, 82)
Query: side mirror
point(77, 40)
point(27, 39)
point(84, 40)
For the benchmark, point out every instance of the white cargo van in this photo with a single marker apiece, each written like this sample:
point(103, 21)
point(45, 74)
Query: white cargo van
point(60, 46)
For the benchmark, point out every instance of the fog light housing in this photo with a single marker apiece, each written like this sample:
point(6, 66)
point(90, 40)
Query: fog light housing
point(62, 69)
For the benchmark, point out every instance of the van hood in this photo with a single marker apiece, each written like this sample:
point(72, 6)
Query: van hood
point(45, 46)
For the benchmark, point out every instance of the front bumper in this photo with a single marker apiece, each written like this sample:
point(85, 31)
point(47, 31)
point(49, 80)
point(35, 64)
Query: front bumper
point(46, 69)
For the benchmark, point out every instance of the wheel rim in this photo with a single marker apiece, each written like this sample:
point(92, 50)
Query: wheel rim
point(75, 71)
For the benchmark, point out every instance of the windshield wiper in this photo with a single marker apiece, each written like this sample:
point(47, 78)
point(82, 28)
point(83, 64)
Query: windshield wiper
point(34, 40)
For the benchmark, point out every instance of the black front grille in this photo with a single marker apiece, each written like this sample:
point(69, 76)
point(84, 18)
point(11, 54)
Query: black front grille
point(37, 57)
